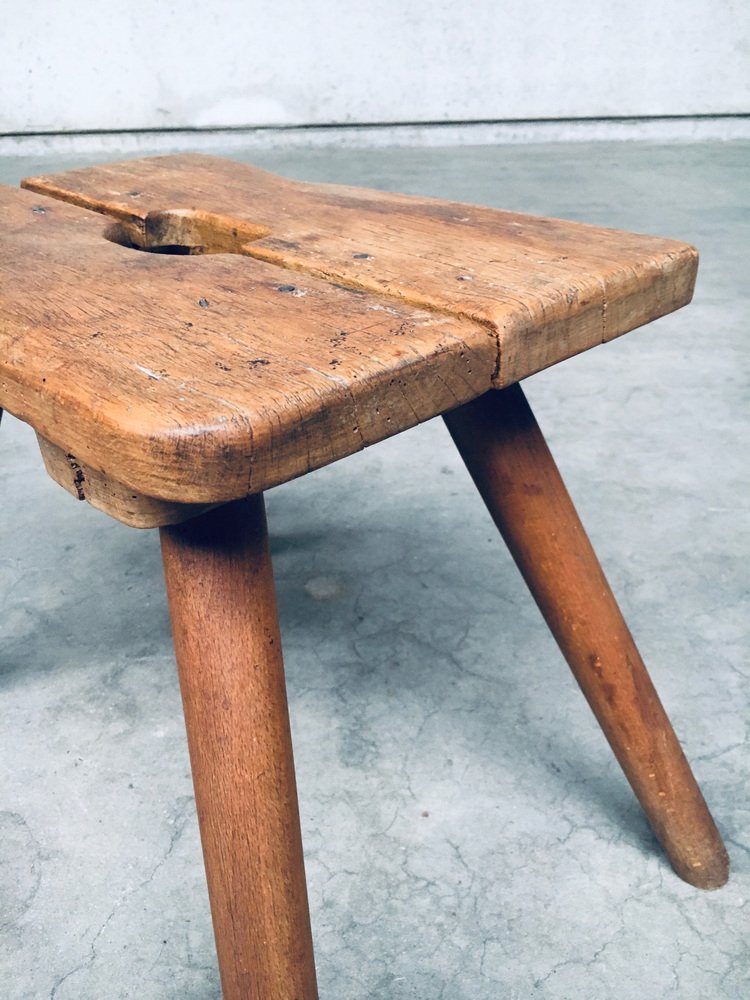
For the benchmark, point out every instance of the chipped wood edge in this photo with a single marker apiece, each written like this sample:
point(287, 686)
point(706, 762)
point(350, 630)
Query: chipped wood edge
point(110, 496)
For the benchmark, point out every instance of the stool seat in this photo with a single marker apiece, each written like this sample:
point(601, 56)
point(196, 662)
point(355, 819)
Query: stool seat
point(194, 375)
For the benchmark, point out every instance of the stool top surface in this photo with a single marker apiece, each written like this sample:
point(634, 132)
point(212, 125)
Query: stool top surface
point(283, 325)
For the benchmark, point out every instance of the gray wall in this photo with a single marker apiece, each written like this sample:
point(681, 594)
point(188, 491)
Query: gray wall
point(146, 64)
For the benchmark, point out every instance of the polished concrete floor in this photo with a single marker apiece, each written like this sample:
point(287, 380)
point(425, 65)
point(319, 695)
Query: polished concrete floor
point(468, 835)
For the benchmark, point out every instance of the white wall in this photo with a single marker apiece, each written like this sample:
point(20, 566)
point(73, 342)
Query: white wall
point(95, 64)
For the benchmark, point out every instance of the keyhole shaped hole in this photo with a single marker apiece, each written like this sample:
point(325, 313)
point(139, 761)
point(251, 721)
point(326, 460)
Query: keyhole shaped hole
point(184, 232)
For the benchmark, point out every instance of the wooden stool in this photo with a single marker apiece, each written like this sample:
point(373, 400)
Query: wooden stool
point(171, 390)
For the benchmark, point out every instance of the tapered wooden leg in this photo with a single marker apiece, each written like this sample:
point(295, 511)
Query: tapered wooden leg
point(226, 636)
point(516, 475)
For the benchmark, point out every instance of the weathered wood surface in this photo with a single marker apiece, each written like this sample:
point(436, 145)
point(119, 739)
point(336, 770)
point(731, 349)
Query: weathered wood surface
point(547, 288)
point(516, 475)
point(198, 379)
point(110, 496)
point(228, 648)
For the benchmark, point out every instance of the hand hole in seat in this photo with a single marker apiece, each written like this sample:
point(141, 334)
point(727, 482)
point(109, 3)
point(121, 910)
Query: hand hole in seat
point(185, 232)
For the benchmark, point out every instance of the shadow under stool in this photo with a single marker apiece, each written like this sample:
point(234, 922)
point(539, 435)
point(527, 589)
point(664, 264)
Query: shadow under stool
point(185, 332)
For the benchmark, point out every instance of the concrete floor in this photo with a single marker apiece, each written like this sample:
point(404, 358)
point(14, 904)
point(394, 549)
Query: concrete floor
point(468, 835)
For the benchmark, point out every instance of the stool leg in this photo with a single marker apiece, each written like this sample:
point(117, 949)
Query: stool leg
point(226, 636)
point(511, 465)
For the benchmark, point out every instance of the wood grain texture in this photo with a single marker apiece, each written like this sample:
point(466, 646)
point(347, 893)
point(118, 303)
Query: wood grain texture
point(226, 635)
point(510, 463)
point(200, 379)
point(305, 321)
point(546, 288)
point(110, 496)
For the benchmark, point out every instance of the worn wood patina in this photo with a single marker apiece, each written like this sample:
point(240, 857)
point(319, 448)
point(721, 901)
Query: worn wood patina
point(286, 325)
